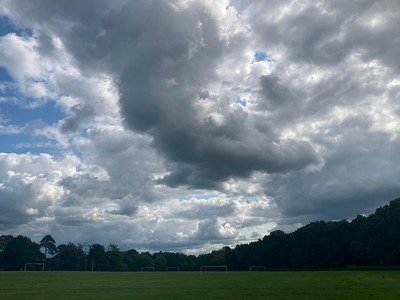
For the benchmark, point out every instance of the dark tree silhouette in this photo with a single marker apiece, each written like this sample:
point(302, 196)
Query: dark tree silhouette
point(115, 259)
point(19, 251)
point(49, 245)
point(97, 255)
point(69, 257)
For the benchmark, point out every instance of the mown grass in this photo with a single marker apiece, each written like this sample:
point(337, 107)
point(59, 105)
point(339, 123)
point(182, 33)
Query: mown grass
point(190, 285)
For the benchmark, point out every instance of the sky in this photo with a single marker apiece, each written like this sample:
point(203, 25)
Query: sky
point(189, 125)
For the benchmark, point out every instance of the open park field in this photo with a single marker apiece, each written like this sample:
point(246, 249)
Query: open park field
point(190, 285)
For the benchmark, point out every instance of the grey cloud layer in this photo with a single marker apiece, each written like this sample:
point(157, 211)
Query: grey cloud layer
point(201, 152)
point(163, 58)
point(314, 135)
point(339, 94)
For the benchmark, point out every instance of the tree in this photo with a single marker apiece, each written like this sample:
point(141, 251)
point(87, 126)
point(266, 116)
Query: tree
point(19, 251)
point(131, 259)
point(70, 257)
point(115, 259)
point(97, 255)
point(145, 260)
point(160, 262)
point(4, 239)
point(48, 243)
point(217, 257)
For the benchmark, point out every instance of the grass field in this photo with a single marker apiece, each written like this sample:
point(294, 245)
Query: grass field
point(190, 285)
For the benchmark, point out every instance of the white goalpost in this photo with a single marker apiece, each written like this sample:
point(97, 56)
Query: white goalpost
point(147, 269)
point(34, 264)
point(169, 269)
point(213, 268)
point(257, 268)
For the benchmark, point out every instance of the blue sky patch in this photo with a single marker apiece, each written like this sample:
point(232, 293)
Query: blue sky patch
point(24, 143)
point(262, 56)
point(240, 101)
point(30, 120)
point(7, 26)
point(4, 76)
point(48, 113)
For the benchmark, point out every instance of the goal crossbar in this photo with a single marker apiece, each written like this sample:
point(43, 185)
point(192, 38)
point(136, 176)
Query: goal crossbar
point(213, 268)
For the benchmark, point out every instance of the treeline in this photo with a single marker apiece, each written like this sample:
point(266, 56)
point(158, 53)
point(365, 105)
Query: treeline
point(15, 252)
point(365, 241)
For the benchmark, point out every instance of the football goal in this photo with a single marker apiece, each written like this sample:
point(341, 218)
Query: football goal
point(147, 269)
point(170, 269)
point(34, 267)
point(204, 269)
point(257, 268)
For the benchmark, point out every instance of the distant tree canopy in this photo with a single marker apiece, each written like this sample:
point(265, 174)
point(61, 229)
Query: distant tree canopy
point(19, 251)
point(49, 245)
point(97, 255)
point(365, 241)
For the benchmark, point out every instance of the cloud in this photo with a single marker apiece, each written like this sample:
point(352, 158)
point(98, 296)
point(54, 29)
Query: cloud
point(160, 64)
point(275, 93)
point(165, 154)
point(19, 58)
point(202, 151)
point(215, 230)
point(27, 196)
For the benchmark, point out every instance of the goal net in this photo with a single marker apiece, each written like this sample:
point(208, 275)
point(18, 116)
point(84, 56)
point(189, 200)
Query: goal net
point(170, 269)
point(34, 267)
point(257, 268)
point(204, 269)
point(147, 269)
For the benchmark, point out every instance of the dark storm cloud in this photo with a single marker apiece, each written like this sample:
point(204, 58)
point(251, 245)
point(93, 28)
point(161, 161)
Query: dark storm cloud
point(274, 93)
point(13, 207)
point(201, 154)
point(127, 207)
point(326, 32)
point(163, 58)
point(205, 210)
point(222, 158)
point(78, 116)
point(358, 176)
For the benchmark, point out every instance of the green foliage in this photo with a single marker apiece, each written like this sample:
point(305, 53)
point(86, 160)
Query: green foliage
point(160, 262)
point(131, 260)
point(69, 257)
point(97, 255)
point(115, 259)
point(49, 245)
point(4, 239)
point(19, 251)
point(146, 260)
